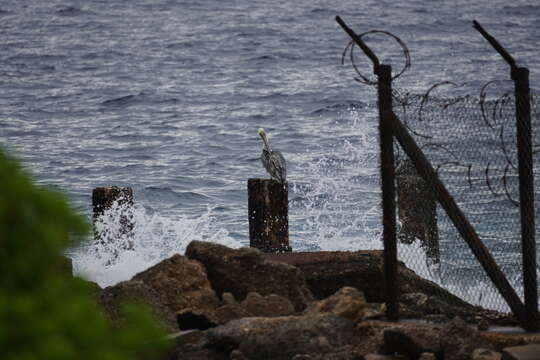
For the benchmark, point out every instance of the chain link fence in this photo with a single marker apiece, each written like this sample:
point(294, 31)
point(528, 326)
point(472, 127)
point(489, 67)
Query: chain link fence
point(471, 143)
point(468, 220)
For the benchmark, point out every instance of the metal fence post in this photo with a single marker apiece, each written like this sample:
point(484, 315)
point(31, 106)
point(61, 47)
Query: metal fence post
point(384, 75)
point(384, 86)
point(520, 76)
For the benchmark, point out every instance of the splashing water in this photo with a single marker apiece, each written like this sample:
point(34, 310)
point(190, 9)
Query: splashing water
point(335, 203)
point(118, 254)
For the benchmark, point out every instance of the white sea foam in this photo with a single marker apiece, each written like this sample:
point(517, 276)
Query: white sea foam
point(154, 237)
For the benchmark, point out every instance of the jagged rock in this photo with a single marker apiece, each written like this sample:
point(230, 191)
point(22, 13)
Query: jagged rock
point(113, 297)
point(302, 357)
point(348, 302)
point(186, 337)
point(374, 311)
point(503, 340)
point(237, 355)
point(452, 341)
point(327, 272)
point(526, 352)
point(194, 319)
point(282, 337)
point(427, 356)
point(240, 271)
point(198, 353)
point(383, 357)
point(411, 341)
point(228, 312)
point(414, 299)
point(371, 339)
point(458, 340)
point(269, 306)
point(228, 298)
point(343, 353)
point(482, 325)
point(174, 285)
point(253, 305)
point(181, 283)
point(485, 354)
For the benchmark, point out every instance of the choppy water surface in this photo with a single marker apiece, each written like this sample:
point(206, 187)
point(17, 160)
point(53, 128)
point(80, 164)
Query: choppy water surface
point(167, 97)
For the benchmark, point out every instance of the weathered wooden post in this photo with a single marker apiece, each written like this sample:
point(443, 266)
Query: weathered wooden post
point(520, 76)
point(417, 210)
point(103, 198)
point(268, 215)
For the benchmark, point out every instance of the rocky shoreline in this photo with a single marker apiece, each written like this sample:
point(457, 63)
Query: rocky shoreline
point(222, 303)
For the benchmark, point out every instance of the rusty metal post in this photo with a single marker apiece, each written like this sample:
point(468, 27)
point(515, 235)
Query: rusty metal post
point(384, 75)
point(268, 215)
point(384, 86)
point(520, 76)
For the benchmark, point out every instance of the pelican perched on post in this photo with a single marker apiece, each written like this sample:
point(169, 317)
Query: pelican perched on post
point(273, 161)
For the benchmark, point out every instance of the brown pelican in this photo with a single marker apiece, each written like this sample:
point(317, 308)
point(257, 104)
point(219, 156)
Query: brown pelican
point(273, 161)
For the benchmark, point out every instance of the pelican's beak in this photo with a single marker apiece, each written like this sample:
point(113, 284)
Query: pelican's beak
point(262, 134)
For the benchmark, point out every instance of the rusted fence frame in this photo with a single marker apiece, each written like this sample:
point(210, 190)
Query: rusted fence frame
point(520, 76)
point(389, 124)
point(466, 230)
point(384, 91)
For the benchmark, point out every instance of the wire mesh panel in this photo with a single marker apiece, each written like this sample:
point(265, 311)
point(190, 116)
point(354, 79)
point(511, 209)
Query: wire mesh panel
point(474, 155)
point(471, 142)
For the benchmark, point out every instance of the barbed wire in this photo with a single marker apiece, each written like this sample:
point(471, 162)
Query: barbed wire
point(361, 77)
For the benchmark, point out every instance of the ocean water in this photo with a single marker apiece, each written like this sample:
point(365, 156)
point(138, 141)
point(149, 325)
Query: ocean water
point(167, 96)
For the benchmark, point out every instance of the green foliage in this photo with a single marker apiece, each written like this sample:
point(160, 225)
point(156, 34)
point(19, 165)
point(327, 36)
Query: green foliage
point(44, 312)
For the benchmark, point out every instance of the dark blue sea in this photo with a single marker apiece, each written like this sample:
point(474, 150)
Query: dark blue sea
point(166, 97)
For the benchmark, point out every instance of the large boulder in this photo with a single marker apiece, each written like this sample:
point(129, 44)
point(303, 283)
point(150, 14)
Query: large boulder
point(459, 340)
point(268, 306)
point(113, 298)
point(326, 272)
point(252, 306)
point(453, 341)
point(282, 337)
point(412, 341)
point(484, 354)
point(167, 288)
point(245, 270)
point(180, 283)
point(526, 352)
